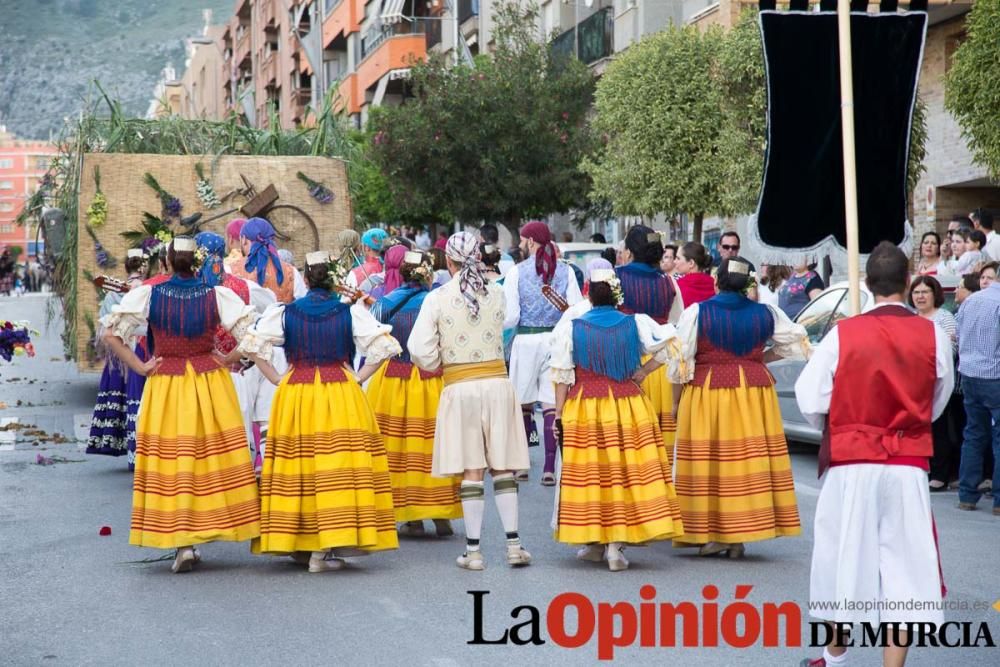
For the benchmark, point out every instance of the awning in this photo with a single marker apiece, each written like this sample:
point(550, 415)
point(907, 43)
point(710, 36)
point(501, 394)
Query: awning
point(392, 11)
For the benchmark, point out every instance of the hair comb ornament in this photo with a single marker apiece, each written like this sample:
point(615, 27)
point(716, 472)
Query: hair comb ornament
point(318, 257)
point(184, 244)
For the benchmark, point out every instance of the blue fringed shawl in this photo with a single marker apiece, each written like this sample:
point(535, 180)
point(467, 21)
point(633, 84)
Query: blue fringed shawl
point(734, 323)
point(647, 290)
point(183, 307)
point(318, 329)
point(606, 342)
point(400, 309)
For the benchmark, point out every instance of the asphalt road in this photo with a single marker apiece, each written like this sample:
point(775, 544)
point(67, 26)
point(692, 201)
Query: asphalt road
point(69, 596)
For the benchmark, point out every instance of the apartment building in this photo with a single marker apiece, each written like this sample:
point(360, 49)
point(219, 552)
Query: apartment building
point(22, 165)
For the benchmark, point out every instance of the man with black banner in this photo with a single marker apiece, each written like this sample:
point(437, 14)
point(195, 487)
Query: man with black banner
point(876, 382)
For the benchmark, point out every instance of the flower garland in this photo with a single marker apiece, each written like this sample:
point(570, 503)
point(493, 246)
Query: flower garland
point(206, 193)
point(616, 291)
point(97, 212)
point(337, 273)
point(15, 339)
point(170, 205)
point(199, 258)
point(103, 258)
point(317, 190)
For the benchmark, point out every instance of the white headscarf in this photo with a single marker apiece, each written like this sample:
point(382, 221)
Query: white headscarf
point(463, 249)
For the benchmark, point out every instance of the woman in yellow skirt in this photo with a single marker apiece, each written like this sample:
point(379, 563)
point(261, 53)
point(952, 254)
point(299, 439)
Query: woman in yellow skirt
point(649, 291)
point(325, 490)
point(194, 480)
point(734, 477)
point(405, 401)
point(615, 487)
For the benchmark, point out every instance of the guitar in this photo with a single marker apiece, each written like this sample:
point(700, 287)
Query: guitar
point(354, 294)
point(109, 284)
point(554, 298)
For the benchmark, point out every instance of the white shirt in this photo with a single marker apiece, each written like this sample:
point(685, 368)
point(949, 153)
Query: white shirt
point(992, 246)
point(372, 339)
point(814, 388)
point(655, 340)
point(573, 294)
point(790, 342)
point(299, 288)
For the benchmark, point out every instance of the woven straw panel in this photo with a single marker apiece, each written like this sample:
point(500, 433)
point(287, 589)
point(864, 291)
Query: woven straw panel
point(129, 196)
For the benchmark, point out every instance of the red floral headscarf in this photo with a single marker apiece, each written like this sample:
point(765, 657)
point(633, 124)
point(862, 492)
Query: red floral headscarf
point(545, 258)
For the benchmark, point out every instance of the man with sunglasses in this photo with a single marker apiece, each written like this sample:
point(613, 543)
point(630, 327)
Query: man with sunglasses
point(729, 247)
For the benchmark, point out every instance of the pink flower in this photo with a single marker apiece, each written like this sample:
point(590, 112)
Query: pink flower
point(563, 137)
point(565, 115)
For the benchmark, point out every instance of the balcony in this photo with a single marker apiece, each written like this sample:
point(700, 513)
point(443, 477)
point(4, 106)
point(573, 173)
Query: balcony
point(269, 68)
point(341, 20)
point(594, 37)
point(268, 13)
point(467, 9)
point(390, 47)
point(377, 35)
point(242, 45)
point(433, 33)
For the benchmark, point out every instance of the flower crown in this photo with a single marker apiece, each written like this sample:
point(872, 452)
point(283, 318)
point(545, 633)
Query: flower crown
point(609, 277)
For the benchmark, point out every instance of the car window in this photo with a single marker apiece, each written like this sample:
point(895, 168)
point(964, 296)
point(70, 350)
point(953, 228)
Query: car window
point(815, 317)
point(844, 310)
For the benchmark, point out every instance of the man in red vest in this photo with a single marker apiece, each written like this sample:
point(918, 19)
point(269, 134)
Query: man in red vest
point(877, 380)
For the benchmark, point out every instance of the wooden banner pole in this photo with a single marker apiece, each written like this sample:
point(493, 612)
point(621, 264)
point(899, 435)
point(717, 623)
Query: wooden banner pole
point(850, 164)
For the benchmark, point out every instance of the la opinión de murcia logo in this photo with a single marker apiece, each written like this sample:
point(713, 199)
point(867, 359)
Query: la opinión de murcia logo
point(572, 620)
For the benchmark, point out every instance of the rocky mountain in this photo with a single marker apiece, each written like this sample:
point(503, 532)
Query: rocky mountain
point(52, 50)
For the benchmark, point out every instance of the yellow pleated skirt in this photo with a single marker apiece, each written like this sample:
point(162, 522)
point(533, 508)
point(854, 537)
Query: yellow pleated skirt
point(325, 481)
point(660, 392)
point(194, 480)
point(616, 479)
point(734, 477)
point(406, 410)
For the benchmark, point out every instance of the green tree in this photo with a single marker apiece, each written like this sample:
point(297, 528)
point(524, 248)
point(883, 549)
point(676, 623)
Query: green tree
point(497, 142)
point(743, 135)
point(972, 85)
point(658, 112)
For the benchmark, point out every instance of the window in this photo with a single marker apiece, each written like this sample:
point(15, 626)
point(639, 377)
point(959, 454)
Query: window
point(6, 206)
point(6, 185)
point(5, 228)
point(6, 163)
point(42, 163)
point(816, 316)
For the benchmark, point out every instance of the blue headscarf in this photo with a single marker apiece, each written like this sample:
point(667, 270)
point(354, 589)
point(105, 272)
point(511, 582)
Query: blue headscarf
point(261, 234)
point(374, 238)
point(211, 271)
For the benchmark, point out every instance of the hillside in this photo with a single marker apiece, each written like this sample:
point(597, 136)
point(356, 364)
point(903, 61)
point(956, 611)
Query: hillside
point(51, 50)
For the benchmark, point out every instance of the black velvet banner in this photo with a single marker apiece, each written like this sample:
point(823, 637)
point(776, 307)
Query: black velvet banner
point(801, 209)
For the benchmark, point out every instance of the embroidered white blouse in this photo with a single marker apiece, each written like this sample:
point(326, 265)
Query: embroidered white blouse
point(658, 340)
point(128, 319)
point(371, 338)
point(790, 342)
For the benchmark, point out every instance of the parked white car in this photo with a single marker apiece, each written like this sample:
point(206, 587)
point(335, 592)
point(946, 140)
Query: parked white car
point(818, 317)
